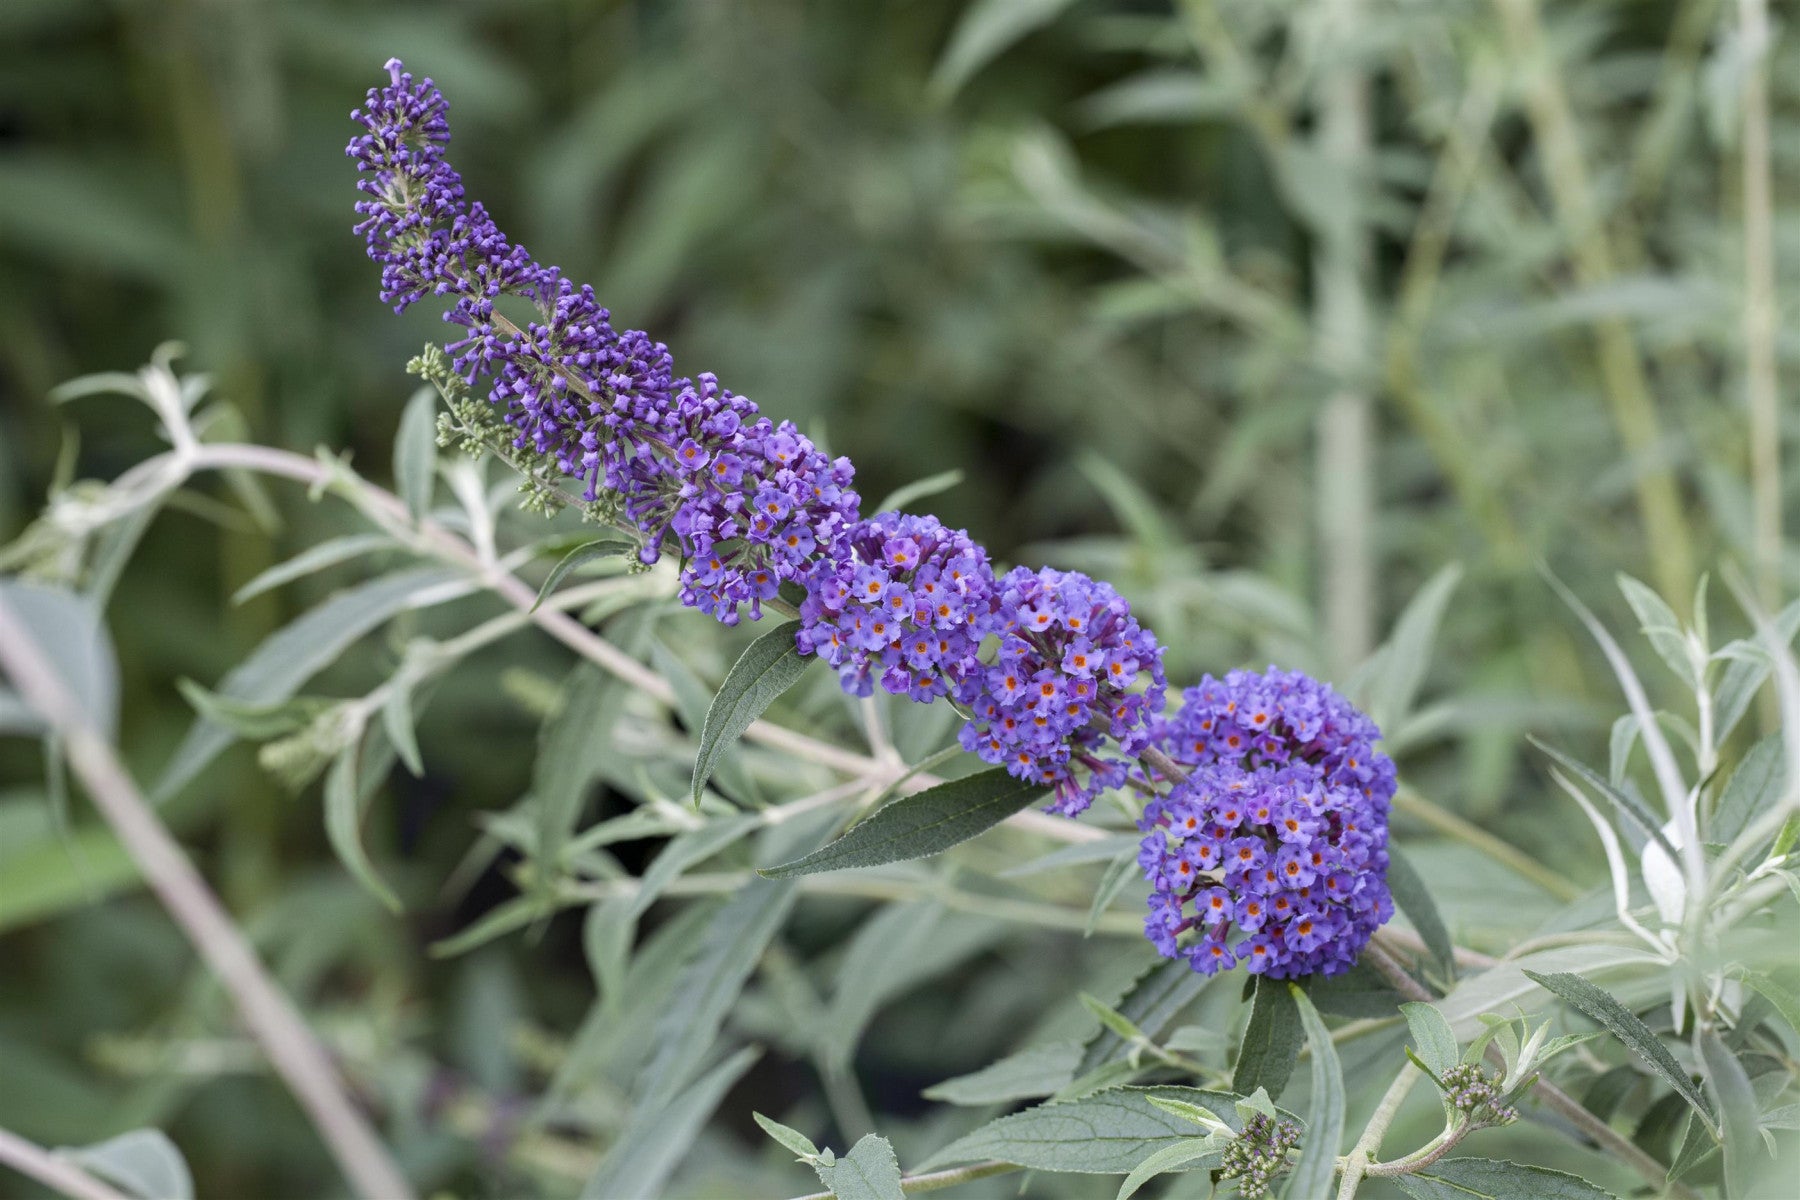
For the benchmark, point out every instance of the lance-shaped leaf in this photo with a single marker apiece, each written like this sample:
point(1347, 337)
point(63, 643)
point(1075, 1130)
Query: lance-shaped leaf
point(922, 824)
point(770, 666)
point(1153, 1002)
point(1432, 1038)
point(577, 558)
point(1107, 1133)
point(1324, 1109)
point(1414, 899)
point(1739, 1111)
point(1492, 1179)
point(1632, 809)
point(659, 1134)
point(1599, 1005)
point(415, 452)
point(1272, 1040)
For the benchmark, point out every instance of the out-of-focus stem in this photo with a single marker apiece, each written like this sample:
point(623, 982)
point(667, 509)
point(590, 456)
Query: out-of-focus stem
point(271, 1018)
point(1344, 450)
point(1621, 367)
point(58, 1174)
point(1449, 824)
point(1760, 385)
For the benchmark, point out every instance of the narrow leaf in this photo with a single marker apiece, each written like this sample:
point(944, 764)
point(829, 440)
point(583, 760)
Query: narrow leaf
point(1755, 788)
point(793, 1139)
point(1414, 899)
point(312, 559)
point(1168, 1158)
point(1432, 1037)
point(1599, 1005)
point(1325, 1108)
point(1032, 1072)
point(1272, 1041)
point(1107, 1133)
point(1152, 1003)
point(922, 824)
point(1408, 650)
point(577, 558)
point(1632, 809)
point(918, 490)
point(657, 1138)
point(343, 825)
point(415, 452)
point(144, 1163)
point(1492, 1179)
point(1738, 1110)
point(768, 667)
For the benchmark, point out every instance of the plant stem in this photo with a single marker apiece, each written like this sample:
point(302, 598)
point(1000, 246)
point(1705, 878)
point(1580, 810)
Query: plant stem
point(1362, 1154)
point(54, 1172)
point(1553, 1097)
point(293, 1051)
point(1448, 823)
point(1759, 304)
point(1343, 437)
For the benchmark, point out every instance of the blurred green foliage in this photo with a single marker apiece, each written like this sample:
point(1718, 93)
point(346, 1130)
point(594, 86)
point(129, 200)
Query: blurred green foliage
point(1068, 248)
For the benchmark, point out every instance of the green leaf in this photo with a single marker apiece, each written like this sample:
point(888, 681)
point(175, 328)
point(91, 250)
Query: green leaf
point(869, 1172)
point(898, 948)
point(1755, 787)
point(1599, 1005)
point(1407, 652)
point(1120, 872)
point(1107, 1133)
point(919, 489)
point(684, 851)
point(1272, 1040)
point(1660, 625)
point(1739, 1113)
point(314, 558)
point(1151, 1004)
point(301, 649)
point(1492, 1179)
point(768, 667)
point(254, 721)
point(1506, 983)
point(711, 983)
point(573, 745)
point(1169, 1158)
point(1744, 677)
point(513, 915)
point(793, 1139)
point(1784, 1001)
point(1632, 809)
point(143, 1163)
point(657, 1137)
point(1431, 1037)
point(67, 629)
point(343, 825)
point(985, 30)
point(1031, 1072)
point(397, 720)
point(577, 558)
point(1324, 1110)
point(1414, 899)
point(415, 452)
point(922, 824)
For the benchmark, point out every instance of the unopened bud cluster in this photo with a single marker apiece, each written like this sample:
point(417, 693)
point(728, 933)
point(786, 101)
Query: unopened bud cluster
point(1259, 1153)
point(1474, 1094)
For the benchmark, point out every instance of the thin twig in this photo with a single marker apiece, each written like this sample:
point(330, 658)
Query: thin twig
point(1759, 304)
point(293, 1051)
point(54, 1172)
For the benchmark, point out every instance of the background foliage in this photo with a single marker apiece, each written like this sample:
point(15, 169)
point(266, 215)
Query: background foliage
point(1076, 250)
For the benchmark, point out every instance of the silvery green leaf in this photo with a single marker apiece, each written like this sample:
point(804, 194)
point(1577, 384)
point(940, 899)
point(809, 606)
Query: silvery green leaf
point(768, 667)
point(573, 744)
point(1620, 744)
point(415, 452)
point(1599, 1005)
point(793, 1139)
point(686, 850)
point(1152, 1003)
point(918, 490)
point(343, 825)
point(606, 935)
point(1120, 872)
point(869, 1172)
point(1414, 899)
point(1032, 1072)
point(1660, 625)
point(1739, 1112)
point(1431, 1037)
point(1755, 787)
point(1649, 828)
point(66, 628)
point(1780, 998)
point(711, 983)
point(898, 948)
point(1324, 1110)
point(1113, 1020)
point(1271, 1042)
point(983, 32)
point(579, 557)
point(144, 1163)
point(301, 649)
point(1748, 669)
point(1500, 987)
point(314, 558)
point(922, 824)
point(1491, 1179)
point(1169, 1158)
point(1197, 1039)
point(656, 1139)
point(397, 720)
point(1107, 1133)
point(513, 915)
point(255, 721)
point(17, 719)
point(1394, 688)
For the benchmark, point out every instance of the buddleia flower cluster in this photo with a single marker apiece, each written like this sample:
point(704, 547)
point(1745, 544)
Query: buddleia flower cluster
point(1272, 853)
point(749, 503)
point(1259, 1153)
point(1070, 652)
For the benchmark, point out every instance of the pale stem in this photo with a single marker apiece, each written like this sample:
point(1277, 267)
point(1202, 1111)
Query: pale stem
point(293, 1051)
point(1760, 384)
point(1362, 1155)
point(54, 1172)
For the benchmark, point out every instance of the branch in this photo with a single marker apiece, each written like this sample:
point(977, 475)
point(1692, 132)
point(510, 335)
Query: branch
point(53, 1171)
point(272, 1019)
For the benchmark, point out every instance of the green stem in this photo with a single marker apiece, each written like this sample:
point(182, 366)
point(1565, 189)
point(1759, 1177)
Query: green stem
point(1450, 825)
point(1362, 1154)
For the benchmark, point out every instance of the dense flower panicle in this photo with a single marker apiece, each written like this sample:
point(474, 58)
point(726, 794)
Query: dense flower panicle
point(1273, 852)
point(900, 603)
point(747, 501)
point(1069, 653)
